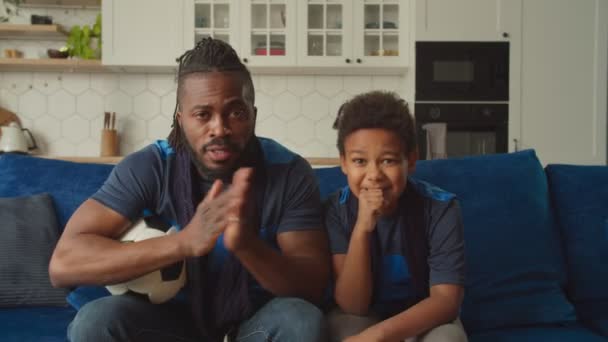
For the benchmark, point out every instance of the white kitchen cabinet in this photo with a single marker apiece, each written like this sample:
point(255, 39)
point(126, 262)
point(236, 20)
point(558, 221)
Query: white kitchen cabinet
point(463, 20)
point(211, 18)
point(354, 33)
point(143, 33)
point(268, 32)
point(563, 81)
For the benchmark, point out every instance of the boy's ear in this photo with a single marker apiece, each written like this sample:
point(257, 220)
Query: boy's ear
point(343, 163)
point(411, 161)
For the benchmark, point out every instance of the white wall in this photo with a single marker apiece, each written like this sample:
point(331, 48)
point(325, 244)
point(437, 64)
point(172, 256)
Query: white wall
point(64, 111)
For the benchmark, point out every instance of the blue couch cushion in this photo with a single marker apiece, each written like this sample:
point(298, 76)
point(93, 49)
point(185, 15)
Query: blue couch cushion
point(553, 333)
point(48, 324)
point(68, 183)
point(515, 265)
point(330, 179)
point(580, 198)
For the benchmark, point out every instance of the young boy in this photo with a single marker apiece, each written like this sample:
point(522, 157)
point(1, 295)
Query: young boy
point(397, 243)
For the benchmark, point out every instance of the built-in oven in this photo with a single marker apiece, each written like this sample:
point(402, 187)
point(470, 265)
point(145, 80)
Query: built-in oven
point(462, 94)
point(462, 71)
point(464, 129)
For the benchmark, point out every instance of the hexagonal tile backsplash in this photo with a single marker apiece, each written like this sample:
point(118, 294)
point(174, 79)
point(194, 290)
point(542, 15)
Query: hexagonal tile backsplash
point(64, 111)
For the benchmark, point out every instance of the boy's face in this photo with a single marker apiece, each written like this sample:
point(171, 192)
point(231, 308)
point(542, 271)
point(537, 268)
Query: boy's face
point(375, 159)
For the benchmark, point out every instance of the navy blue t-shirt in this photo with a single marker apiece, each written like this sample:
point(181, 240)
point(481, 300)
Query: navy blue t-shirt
point(140, 186)
point(392, 288)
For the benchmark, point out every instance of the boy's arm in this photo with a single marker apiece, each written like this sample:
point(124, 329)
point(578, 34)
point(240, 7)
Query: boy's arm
point(354, 276)
point(447, 269)
point(353, 272)
point(439, 308)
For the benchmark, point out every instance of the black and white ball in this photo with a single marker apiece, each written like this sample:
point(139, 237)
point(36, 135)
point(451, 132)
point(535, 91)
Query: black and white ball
point(160, 285)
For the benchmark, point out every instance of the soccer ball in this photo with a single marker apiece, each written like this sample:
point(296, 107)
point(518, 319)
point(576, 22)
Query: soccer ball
point(160, 285)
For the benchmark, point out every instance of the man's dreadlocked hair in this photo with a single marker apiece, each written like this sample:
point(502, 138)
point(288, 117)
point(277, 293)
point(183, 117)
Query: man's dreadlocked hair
point(208, 55)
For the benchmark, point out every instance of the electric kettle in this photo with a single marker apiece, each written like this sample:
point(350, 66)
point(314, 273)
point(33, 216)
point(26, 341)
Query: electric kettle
point(14, 139)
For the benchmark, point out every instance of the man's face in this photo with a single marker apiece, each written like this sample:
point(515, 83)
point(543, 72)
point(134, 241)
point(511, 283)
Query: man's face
point(375, 159)
point(216, 120)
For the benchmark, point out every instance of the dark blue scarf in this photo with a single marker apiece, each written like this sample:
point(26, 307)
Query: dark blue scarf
point(218, 305)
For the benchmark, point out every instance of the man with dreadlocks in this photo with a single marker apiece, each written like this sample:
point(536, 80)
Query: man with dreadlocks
point(249, 217)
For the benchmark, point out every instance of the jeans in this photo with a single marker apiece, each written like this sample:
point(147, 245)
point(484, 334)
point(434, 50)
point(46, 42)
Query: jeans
point(130, 318)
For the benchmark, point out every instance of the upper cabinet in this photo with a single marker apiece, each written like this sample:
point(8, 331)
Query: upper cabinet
point(268, 32)
point(269, 35)
point(464, 20)
point(353, 33)
point(142, 32)
point(211, 18)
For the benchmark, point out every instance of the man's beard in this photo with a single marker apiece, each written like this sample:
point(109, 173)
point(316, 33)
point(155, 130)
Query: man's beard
point(224, 174)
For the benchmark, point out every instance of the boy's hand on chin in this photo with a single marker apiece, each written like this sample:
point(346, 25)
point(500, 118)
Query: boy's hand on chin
point(370, 203)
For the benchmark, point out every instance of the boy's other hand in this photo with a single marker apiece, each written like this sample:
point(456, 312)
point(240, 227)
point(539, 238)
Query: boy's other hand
point(370, 203)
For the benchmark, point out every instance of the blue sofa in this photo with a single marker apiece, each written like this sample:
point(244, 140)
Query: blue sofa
point(536, 243)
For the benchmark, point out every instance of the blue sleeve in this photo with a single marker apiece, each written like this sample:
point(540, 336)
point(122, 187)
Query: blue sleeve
point(133, 185)
point(338, 233)
point(446, 252)
point(302, 201)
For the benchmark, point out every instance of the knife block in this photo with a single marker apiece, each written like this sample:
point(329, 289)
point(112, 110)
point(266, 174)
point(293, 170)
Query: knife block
point(109, 143)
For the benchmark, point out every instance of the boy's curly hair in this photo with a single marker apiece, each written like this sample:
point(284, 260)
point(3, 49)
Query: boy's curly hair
point(376, 109)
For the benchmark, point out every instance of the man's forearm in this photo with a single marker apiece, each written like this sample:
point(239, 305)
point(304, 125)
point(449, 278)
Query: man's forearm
point(97, 260)
point(285, 275)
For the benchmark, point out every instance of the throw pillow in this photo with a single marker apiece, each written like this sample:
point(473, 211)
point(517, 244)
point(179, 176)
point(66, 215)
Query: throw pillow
point(515, 263)
point(580, 199)
point(29, 233)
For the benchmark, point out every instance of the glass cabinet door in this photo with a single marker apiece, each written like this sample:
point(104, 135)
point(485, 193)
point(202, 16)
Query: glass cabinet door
point(325, 32)
point(382, 32)
point(214, 18)
point(269, 32)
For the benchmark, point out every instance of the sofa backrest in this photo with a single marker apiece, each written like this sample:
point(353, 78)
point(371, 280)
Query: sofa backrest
point(580, 198)
point(69, 183)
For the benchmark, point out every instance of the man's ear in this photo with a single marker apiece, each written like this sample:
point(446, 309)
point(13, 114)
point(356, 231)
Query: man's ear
point(178, 118)
point(411, 161)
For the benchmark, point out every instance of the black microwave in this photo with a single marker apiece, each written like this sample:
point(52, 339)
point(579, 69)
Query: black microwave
point(462, 71)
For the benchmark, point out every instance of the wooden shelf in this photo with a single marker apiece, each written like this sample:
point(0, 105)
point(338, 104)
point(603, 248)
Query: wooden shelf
point(22, 64)
point(61, 3)
point(23, 31)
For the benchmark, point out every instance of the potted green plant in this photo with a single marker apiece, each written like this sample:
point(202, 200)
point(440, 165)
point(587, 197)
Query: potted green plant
point(85, 42)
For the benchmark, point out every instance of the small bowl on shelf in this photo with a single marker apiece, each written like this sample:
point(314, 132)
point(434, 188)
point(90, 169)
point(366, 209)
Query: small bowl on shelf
point(54, 53)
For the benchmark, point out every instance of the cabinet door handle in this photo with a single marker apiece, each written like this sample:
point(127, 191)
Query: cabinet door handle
point(515, 145)
point(505, 34)
point(245, 60)
point(359, 60)
point(348, 60)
